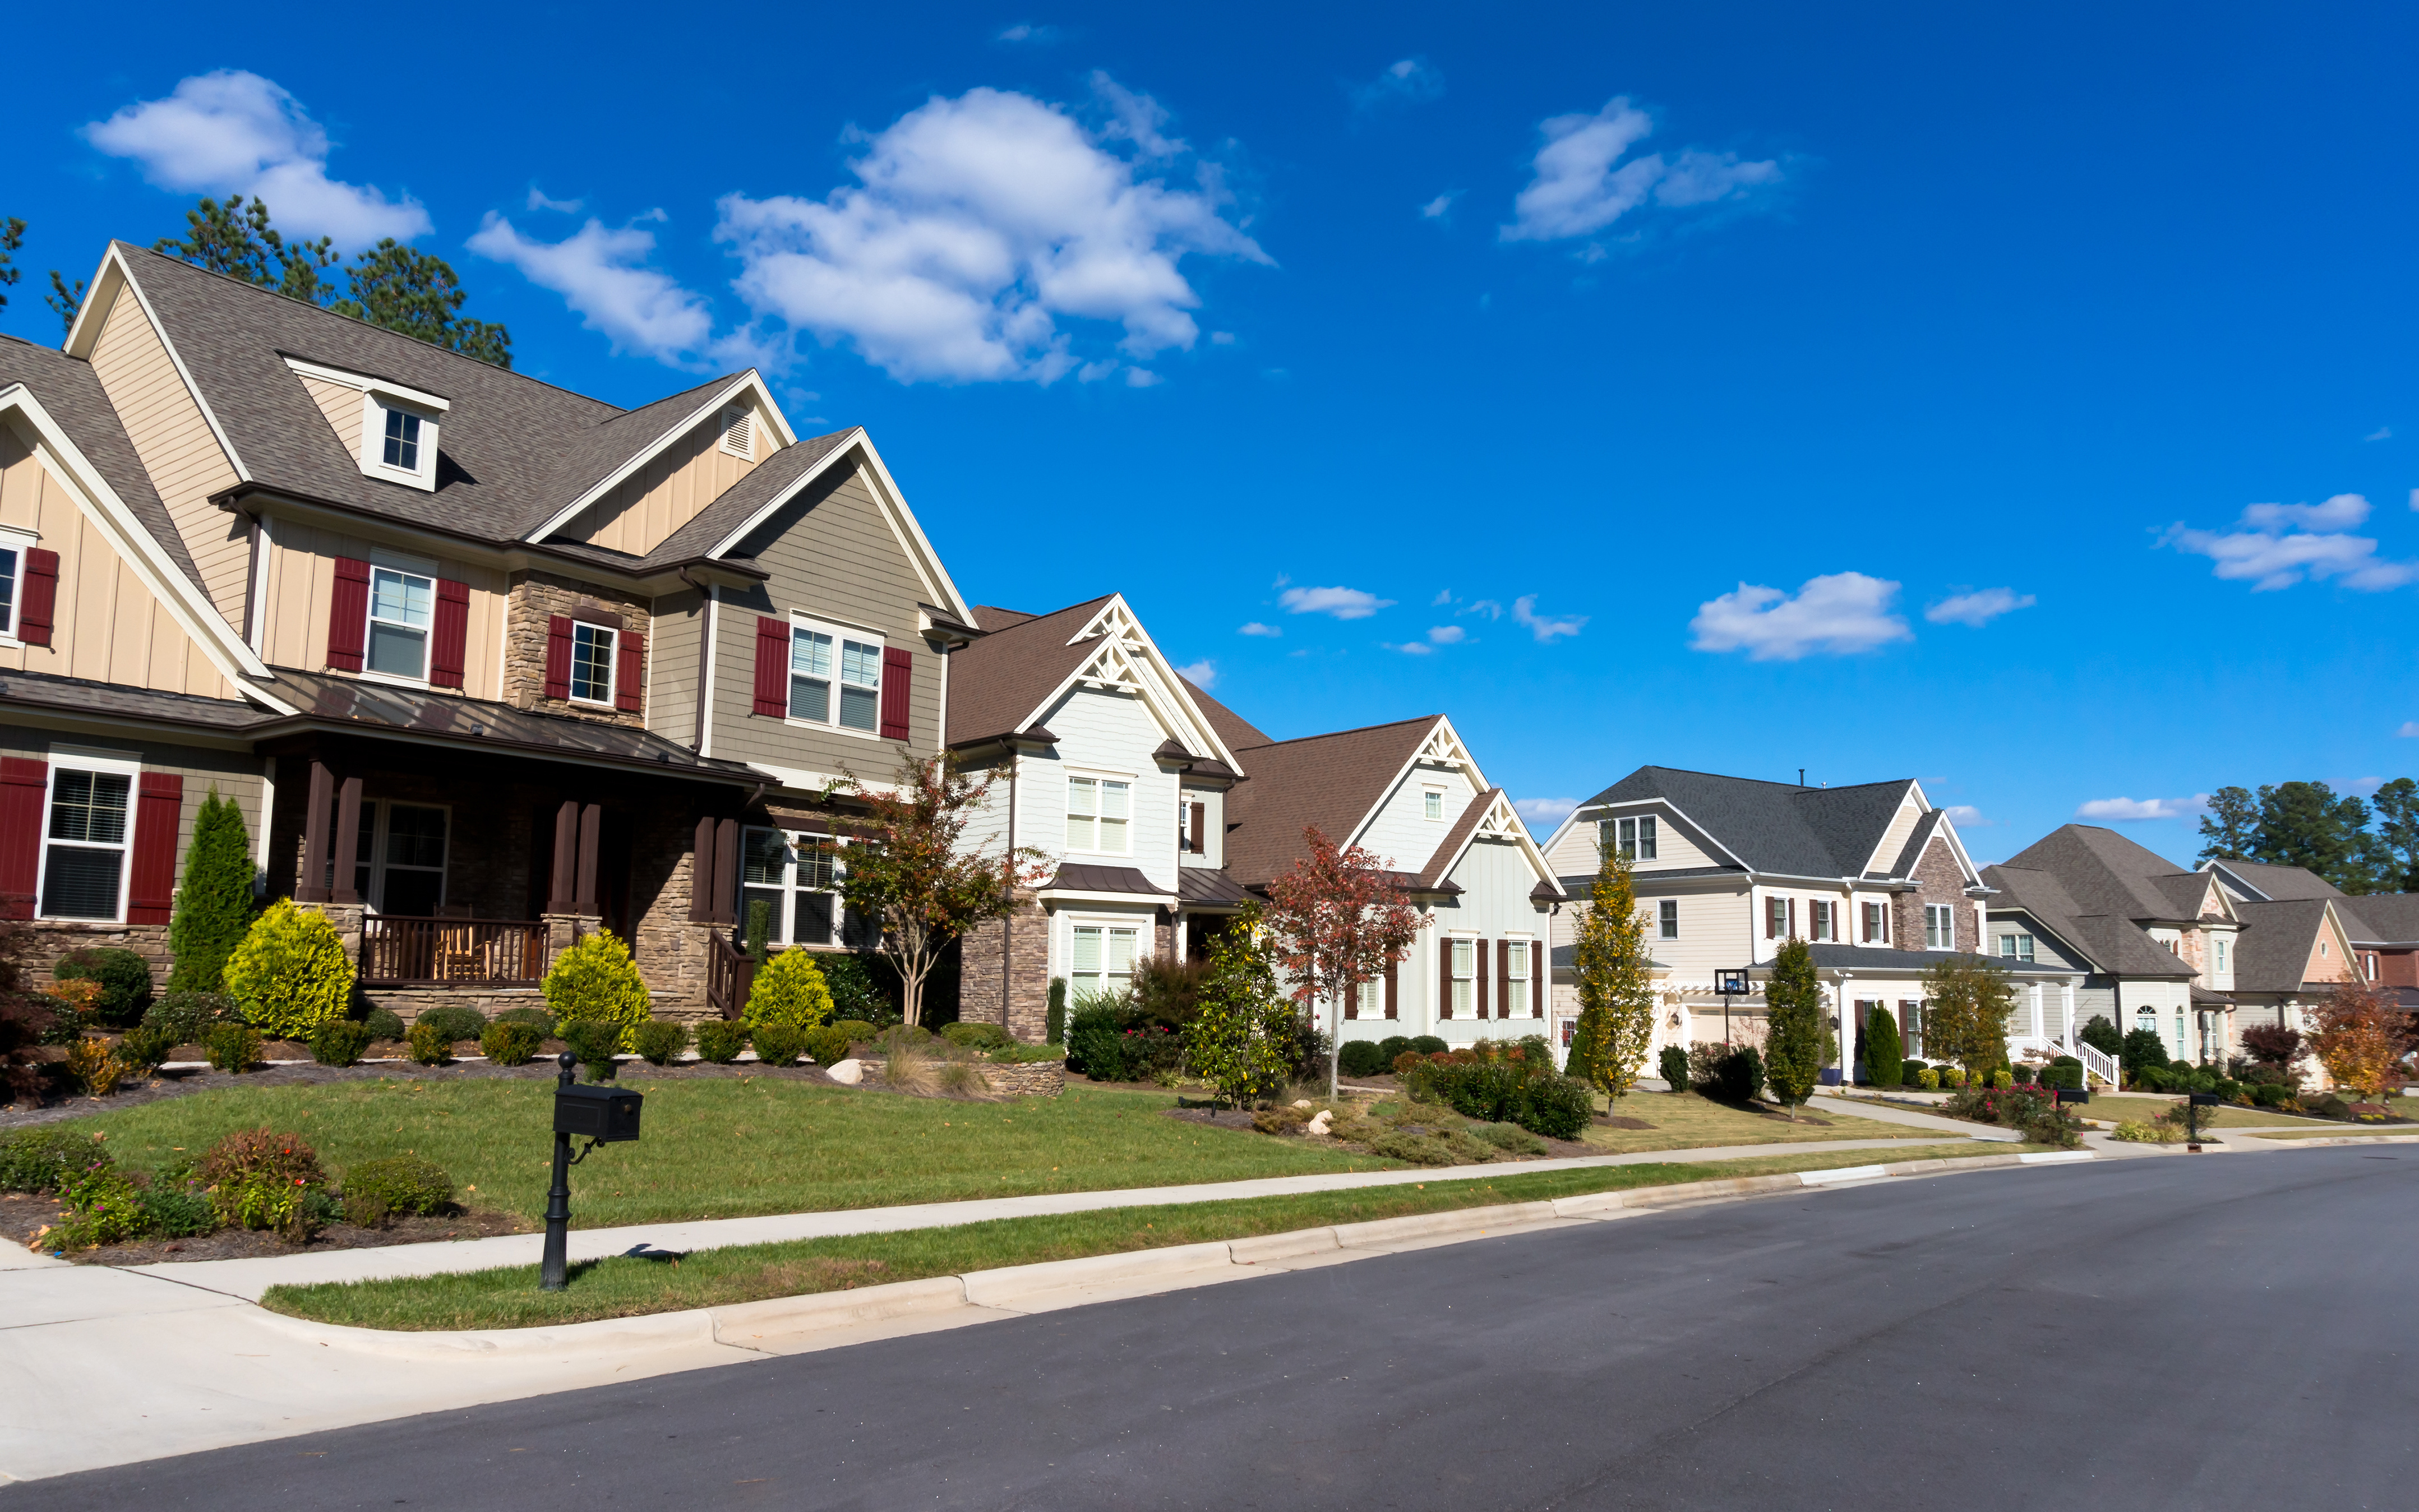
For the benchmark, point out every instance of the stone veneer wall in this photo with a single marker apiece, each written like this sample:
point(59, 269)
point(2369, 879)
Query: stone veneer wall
point(1047, 1080)
point(46, 943)
point(1937, 873)
point(983, 959)
point(538, 597)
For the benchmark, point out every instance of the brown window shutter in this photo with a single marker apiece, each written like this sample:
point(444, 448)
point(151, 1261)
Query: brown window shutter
point(23, 784)
point(1393, 996)
point(40, 607)
point(349, 614)
point(448, 637)
point(1478, 971)
point(631, 673)
point(1536, 979)
point(772, 668)
point(1353, 1002)
point(1793, 917)
point(1444, 978)
point(558, 657)
point(1503, 979)
point(898, 678)
point(152, 881)
point(701, 873)
point(1200, 833)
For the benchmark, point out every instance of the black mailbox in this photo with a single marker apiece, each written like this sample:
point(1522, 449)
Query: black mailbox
point(608, 1115)
point(2073, 1094)
point(2207, 1099)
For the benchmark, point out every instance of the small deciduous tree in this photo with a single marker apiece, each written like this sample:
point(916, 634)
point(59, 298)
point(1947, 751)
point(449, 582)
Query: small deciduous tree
point(1237, 1037)
point(914, 877)
point(2359, 1035)
point(1616, 988)
point(1795, 1040)
point(2101, 1034)
point(214, 902)
point(2274, 1045)
point(1966, 1017)
point(1337, 921)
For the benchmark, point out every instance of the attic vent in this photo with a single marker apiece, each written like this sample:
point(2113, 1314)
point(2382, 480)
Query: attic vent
point(739, 433)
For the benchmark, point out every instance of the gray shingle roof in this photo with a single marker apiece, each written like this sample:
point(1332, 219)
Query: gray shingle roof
point(2273, 952)
point(1232, 728)
point(1866, 958)
point(1774, 826)
point(2106, 873)
point(2274, 882)
point(2382, 917)
point(2056, 899)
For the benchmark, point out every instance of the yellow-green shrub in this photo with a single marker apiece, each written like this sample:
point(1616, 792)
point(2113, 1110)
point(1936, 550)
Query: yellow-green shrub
point(788, 994)
point(290, 975)
point(595, 982)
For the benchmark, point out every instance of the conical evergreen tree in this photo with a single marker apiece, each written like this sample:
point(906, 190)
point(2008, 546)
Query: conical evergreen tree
point(1885, 1053)
point(214, 904)
point(1795, 1045)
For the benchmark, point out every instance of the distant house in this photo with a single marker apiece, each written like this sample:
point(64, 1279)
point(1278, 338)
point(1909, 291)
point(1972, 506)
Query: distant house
point(1874, 877)
point(2302, 937)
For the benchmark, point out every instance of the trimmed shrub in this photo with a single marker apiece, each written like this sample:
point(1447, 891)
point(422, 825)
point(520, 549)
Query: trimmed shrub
point(377, 1190)
point(1392, 1047)
point(1911, 1073)
point(1096, 1040)
point(1950, 1076)
point(213, 904)
point(790, 992)
point(2068, 1077)
point(260, 1179)
point(828, 1046)
point(594, 1041)
point(1510, 1139)
point(510, 1044)
point(1736, 1076)
point(190, 1015)
point(719, 1041)
point(383, 1024)
point(429, 1044)
point(1428, 1044)
point(536, 1018)
point(858, 1030)
point(863, 987)
point(2003, 1079)
point(1419, 1149)
point(178, 1211)
point(973, 1036)
point(1408, 1063)
point(143, 1050)
point(1885, 1055)
point(234, 1047)
point(777, 1044)
point(1675, 1068)
point(1928, 1079)
point(1558, 1107)
point(596, 982)
point(339, 1043)
point(1053, 1025)
point(659, 1041)
point(124, 978)
point(2271, 1094)
point(756, 930)
point(457, 1022)
point(1360, 1058)
point(44, 1160)
point(290, 975)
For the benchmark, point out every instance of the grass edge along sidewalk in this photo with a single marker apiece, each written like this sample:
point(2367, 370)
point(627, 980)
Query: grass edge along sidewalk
point(620, 1286)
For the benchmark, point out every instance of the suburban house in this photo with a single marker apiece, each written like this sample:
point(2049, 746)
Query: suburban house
point(1159, 812)
point(1727, 870)
point(485, 663)
point(2303, 935)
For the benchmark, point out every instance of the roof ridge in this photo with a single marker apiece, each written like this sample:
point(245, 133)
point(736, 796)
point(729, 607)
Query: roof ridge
point(1356, 729)
point(1766, 782)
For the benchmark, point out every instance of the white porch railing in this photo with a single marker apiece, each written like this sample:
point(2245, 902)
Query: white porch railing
point(2097, 1063)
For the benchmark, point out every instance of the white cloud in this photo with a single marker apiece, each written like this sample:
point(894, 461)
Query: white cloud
point(1414, 649)
point(2277, 545)
point(1544, 812)
point(1579, 184)
point(234, 132)
point(1488, 606)
point(1838, 614)
point(1221, 338)
point(1444, 595)
point(1435, 208)
point(1977, 609)
point(1965, 816)
point(977, 225)
point(2128, 810)
point(598, 274)
point(2410, 730)
point(1256, 628)
point(1404, 82)
point(2382, 433)
point(539, 200)
point(1025, 31)
point(1447, 635)
point(1547, 628)
point(1344, 603)
point(1202, 675)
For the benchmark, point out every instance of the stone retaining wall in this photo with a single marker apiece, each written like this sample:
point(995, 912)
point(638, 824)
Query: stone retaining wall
point(1040, 1079)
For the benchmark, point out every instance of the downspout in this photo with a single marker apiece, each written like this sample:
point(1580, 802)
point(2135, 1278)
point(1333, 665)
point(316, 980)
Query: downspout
point(1008, 922)
point(704, 657)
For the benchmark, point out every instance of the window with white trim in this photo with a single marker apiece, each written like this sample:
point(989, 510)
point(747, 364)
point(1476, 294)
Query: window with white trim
point(13, 547)
point(796, 876)
point(1465, 978)
point(399, 443)
point(592, 662)
point(2220, 952)
point(2017, 947)
point(402, 607)
point(1371, 996)
point(1432, 804)
point(1819, 923)
point(835, 677)
point(1876, 924)
point(1632, 839)
point(1103, 959)
point(1939, 927)
point(1515, 980)
point(400, 447)
point(1098, 809)
point(85, 839)
point(1667, 918)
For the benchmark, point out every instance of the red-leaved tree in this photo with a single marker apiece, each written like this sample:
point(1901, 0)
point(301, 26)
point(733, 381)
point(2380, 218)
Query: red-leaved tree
point(2359, 1036)
point(1338, 921)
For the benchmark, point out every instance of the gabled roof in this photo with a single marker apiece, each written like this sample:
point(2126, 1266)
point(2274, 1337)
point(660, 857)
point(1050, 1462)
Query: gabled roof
point(2111, 944)
point(1774, 828)
point(766, 484)
point(2382, 917)
point(1334, 781)
point(71, 392)
point(2277, 940)
point(1236, 731)
point(2109, 874)
point(2259, 882)
point(1489, 816)
point(1012, 677)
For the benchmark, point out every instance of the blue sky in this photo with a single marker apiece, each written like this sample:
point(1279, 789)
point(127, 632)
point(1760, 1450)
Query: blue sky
point(1886, 391)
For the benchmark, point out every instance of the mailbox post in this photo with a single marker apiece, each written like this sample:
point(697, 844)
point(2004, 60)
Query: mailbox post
point(2193, 1104)
point(606, 1115)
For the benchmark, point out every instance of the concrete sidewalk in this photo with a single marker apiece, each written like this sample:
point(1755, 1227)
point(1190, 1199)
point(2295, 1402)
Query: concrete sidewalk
point(248, 1280)
point(1890, 1113)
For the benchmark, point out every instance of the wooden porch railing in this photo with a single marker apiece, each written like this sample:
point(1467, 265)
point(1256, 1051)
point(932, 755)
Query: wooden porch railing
point(729, 974)
point(396, 950)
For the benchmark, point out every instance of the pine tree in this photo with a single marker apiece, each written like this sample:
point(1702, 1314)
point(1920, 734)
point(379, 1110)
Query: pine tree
point(1794, 1046)
point(1885, 1055)
point(214, 905)
point(1616, 990)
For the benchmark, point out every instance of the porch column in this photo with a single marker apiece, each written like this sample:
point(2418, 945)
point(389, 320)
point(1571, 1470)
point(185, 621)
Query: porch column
point(348, 840)
point(592, 819)
point(312, 887)
point(701, 874)
point(559, 895)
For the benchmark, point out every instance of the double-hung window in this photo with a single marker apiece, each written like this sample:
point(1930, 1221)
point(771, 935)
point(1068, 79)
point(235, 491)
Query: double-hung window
point(1780, 917)
point(403, 606)
point(2017, 947)
point(2221, 954)
point(592, 662)
point(1632, 839)
point(84, 842)
point(1876, 924)
point(1667, 918)
point(1432, 804)
point(797, 879)
point(1465, 978)
point(1103, 960)
point(835, 678)
point(1939, 927)
point(1097, 811)
point(1818, 920)
point(1516, 980)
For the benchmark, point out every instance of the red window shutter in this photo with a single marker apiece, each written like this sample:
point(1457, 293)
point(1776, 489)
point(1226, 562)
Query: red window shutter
point(23, 784)
point(1444, 978)
point(1393, 1002)
point(626, 676)
point(447, 646)
point(558, 657)
point(349, 614)
point(41, 602)
point(151, 888)
point(1537, 984)
point(898, 678)
point(1478, 974)
point(773, 667)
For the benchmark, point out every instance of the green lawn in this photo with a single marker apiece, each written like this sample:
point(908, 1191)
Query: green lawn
point(1684, 1121)
point(619, 1288)
point(732, 1149)
point(2117, 1108)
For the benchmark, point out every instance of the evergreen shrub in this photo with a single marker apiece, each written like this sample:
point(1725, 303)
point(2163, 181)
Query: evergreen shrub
point(124, 978)
point(190, 1015)
point(102, 1206)
point(514, 1043)
point(385, 1023)
point(1558, 1107)
point(1391, 1047)
point(1428, 1044)
point(339, 1043)
point(178, 1211)
point(973, 1036)
point(429, 1044)
point(234, 1047)
point(213, 904)
point(594, 1042)
point(1675, 1068)
point(289, 974)
point(42, 1158)
point(1054, 1030)
point(375, 1191)
point(863, 987)
point(144, 1049)
point(595, 982)
point(259, 1178)
point(778, 1045)
point(1096, 1040)
point(1362, 1058)
point(828, 1045)
point(790, 992)
point(1884, 1052)
point(457, 1022)
point(660, 1041)
point(535, 1017)
point(719, 1041)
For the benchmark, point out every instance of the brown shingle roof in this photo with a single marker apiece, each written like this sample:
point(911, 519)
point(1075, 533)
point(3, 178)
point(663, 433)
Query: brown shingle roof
point(1232, 728)
point(1463, 827)
point(997, 683)
point(1331, 782)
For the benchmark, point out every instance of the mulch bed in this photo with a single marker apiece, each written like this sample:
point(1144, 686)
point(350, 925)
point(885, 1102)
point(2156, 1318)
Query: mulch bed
point(22, 1215)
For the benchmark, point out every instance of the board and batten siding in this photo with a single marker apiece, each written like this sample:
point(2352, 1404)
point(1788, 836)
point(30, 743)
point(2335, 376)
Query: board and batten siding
point(1400, 835)
point(237, 775)
point(832, 557)
point(301, 588)
point(107, 625)
point(667, 493)
point(177, 448)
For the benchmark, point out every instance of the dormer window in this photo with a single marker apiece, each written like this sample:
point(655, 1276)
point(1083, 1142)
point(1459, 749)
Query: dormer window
point(391, 427)
point(402, 441)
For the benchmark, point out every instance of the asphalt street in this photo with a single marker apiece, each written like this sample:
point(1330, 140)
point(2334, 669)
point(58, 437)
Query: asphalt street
point(2220, 1332)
